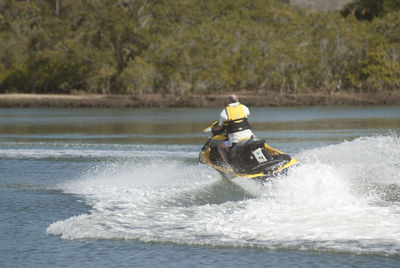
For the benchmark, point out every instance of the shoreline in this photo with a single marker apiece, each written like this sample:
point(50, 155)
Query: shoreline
point(253, 99)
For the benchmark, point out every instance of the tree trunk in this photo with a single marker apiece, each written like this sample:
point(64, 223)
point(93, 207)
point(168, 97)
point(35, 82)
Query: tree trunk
point(57, 8)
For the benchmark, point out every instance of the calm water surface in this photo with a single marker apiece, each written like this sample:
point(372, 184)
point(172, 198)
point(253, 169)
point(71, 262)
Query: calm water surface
point(114, 188)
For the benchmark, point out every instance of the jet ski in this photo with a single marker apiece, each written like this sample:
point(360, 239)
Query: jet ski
point(252, 158)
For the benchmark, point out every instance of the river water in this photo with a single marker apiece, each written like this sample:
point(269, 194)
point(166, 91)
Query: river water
point(115, 188)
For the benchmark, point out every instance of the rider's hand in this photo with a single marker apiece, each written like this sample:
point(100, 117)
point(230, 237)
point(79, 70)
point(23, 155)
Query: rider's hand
point(207, 130)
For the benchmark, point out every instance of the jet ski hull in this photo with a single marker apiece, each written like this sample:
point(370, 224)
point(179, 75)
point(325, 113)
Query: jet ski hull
point(253, 160)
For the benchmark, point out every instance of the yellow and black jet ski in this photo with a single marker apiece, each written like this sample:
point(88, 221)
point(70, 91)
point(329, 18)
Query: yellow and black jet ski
point(251, 158)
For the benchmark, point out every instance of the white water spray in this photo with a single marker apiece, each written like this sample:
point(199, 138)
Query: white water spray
point(334, 200)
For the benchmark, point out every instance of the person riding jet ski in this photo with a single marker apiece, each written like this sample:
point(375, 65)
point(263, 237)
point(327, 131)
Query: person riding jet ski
point(235, 152)
point(234, 119)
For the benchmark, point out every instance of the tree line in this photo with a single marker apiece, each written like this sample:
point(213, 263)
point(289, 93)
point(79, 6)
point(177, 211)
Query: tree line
point(196, 46)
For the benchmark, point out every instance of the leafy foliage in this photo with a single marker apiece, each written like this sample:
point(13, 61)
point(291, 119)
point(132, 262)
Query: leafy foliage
point(369, 9)
point(194, 47)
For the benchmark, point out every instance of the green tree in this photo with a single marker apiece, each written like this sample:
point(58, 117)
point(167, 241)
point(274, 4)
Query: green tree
point(194, 47)
point(377, 71)
point(369, 9)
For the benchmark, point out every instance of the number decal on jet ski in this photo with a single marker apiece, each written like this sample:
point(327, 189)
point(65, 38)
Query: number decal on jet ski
point(258, 154)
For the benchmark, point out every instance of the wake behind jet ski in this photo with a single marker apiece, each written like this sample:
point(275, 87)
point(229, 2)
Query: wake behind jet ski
point(251, 158)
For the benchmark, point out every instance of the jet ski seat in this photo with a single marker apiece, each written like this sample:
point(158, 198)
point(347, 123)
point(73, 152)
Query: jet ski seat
point(249, 144)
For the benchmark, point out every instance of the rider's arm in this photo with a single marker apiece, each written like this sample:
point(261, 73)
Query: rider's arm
point(222, 117)
point(217, 127)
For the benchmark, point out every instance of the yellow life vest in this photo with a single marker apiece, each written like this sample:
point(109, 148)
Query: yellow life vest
point(235, 112)
point(237, 119)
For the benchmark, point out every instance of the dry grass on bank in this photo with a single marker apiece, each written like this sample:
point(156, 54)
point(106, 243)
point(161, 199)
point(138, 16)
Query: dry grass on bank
point(265, 98)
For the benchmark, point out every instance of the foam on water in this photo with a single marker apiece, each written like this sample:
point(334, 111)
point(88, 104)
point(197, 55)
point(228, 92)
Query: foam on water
point(38, 150)
point(343, 197)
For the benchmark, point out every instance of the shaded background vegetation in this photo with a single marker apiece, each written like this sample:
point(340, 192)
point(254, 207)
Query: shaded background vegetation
point(197, 46)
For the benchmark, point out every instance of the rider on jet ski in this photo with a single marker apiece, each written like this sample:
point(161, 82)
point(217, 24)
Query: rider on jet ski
point(234, 119)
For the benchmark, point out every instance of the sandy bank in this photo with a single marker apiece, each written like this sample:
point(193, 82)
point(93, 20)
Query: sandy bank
point(271, 99)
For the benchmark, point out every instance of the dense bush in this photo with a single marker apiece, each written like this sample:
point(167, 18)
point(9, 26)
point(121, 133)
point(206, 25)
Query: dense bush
point(193, 47)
